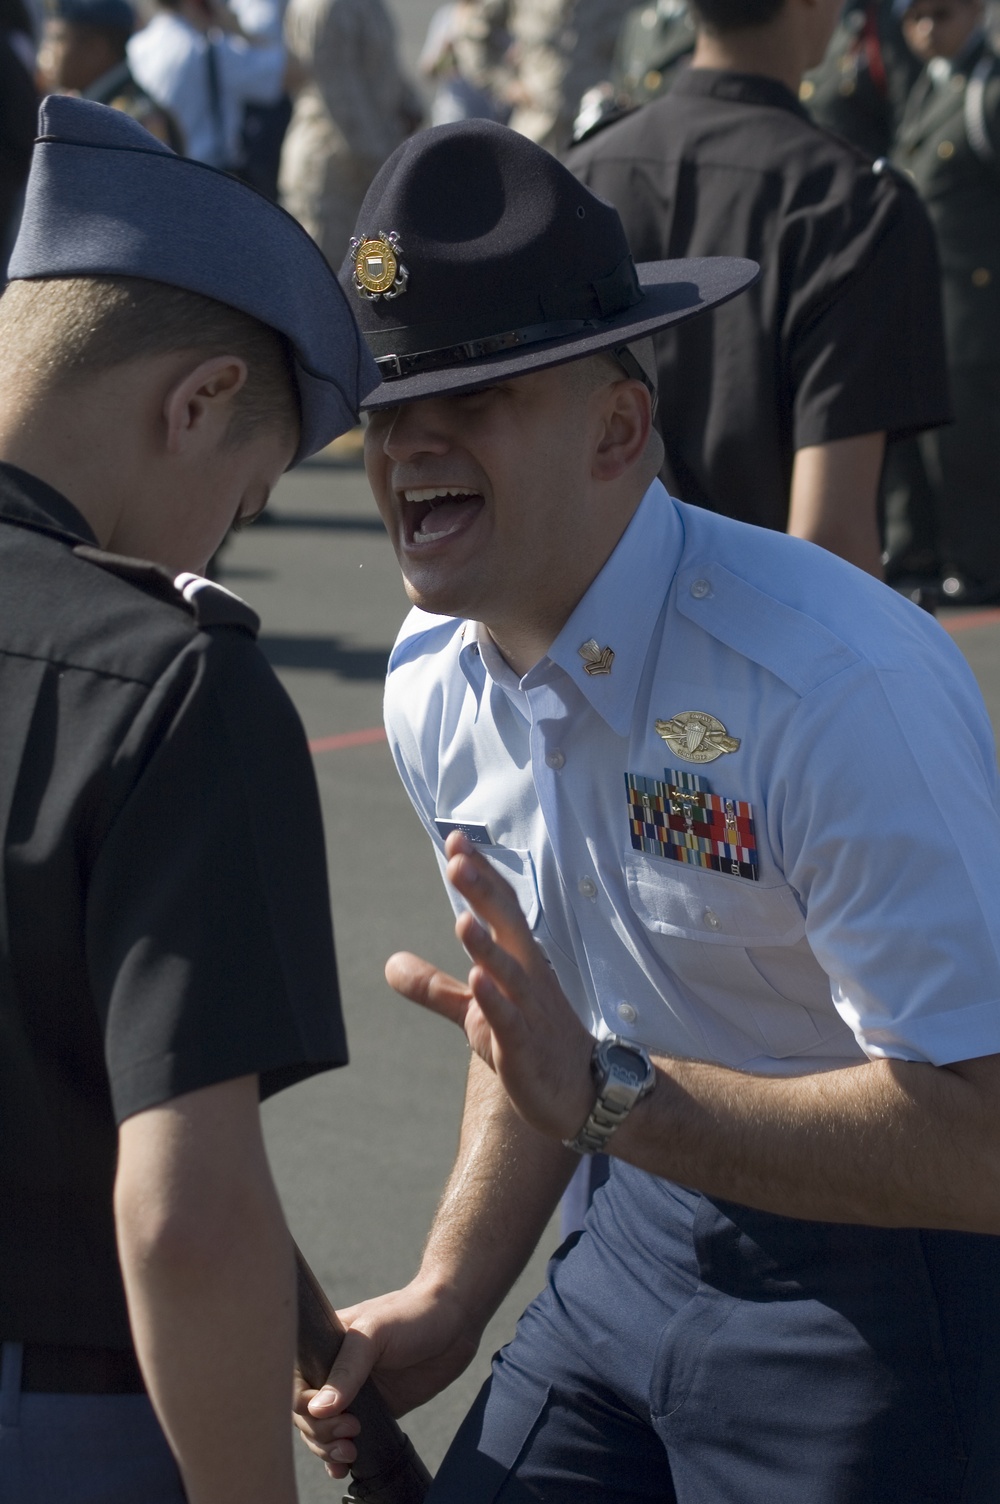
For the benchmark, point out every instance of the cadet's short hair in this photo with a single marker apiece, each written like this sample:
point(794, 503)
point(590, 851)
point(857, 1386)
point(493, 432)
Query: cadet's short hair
point(734, 15)
point(58, 331)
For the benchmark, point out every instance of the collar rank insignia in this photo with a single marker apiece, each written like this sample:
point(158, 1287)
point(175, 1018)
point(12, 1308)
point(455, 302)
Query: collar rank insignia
point(680, 819)
point(378, 270)
point(596, 660)
point(696, 736)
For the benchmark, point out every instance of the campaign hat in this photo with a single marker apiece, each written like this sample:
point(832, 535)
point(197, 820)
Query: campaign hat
point(478, 257)
point(106, 199)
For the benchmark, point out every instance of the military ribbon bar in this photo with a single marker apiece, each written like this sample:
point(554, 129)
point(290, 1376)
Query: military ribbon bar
point(688, 824)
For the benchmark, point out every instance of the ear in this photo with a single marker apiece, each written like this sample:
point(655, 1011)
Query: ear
point(198, 406)
point(627, 420)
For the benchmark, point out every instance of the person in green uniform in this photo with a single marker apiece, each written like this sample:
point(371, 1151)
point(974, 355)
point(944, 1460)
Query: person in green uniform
point(943, 516)
point(860, 88)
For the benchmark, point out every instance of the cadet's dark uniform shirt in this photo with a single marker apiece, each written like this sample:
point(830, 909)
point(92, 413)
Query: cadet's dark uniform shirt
point(841, 336)
point(164, 914)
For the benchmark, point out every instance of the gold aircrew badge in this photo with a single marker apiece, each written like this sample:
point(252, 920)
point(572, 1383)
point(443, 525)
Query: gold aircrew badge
point(596, 660)
point(696, 736)
point(378, 270)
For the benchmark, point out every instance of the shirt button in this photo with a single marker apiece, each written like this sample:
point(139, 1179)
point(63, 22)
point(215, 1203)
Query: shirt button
point(587, 887)
point(711, 919)
point(627, 1013)
point(700, 589)
point(555, 759)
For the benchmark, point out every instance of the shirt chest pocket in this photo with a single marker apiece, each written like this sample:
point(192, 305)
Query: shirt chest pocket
point(741, 952)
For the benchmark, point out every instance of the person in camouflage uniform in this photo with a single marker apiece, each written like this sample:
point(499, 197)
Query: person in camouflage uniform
point(562, 48)
point(356, 108)
point(944, 515)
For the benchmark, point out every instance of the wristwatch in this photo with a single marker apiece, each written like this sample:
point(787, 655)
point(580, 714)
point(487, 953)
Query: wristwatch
point(624, 1074)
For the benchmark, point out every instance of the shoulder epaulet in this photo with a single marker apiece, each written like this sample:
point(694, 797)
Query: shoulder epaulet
point(885, 167)
point(595, 127)
point(210, 604)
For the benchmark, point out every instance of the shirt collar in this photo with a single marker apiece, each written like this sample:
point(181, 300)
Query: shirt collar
point(620, 610)
point(30, 502)
point(639, 573)
point(741, 88)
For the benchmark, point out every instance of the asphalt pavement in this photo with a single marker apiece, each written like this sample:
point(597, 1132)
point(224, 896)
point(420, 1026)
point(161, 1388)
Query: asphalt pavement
point(361, 1154)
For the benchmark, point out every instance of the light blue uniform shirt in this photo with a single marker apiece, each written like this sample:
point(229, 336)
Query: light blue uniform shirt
point(864, 750)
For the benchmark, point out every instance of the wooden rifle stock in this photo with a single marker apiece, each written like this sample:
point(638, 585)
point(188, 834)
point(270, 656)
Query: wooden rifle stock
point(387, 1469)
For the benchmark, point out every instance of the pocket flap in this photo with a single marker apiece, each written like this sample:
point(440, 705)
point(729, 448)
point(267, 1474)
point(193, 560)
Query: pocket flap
point(672, 899)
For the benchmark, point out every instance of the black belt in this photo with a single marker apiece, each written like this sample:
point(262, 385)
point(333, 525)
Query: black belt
point(49, 1369)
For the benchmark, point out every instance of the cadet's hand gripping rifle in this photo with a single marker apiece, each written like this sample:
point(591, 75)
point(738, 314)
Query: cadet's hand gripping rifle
point(387, 1469)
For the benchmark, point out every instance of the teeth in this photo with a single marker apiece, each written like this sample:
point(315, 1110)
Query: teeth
point(433, 493)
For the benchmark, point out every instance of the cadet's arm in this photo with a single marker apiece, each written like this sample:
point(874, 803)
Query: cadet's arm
point(504, 1187)
point(208, 1271)
point(834, 498)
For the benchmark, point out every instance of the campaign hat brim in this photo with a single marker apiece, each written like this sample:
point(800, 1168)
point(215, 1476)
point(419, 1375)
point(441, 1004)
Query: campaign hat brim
point(671, 292)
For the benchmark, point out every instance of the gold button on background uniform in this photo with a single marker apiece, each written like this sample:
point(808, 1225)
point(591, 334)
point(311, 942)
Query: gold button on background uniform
point(982, 276)
point(945, 150)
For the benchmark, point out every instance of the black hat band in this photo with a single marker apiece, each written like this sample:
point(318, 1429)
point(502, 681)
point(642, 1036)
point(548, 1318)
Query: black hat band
point(594, 302)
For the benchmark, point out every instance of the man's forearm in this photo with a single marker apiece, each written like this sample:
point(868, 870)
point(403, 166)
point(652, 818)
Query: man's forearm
point(890, 1143)
point(504, 1187)
point(209, 1276)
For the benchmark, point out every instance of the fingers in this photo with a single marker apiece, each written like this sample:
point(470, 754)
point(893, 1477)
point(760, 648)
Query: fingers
point(352, 1366)
point(425, 984)
point(490, 896)
point(331, 1440)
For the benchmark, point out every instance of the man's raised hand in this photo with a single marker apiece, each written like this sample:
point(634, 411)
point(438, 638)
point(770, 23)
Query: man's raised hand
point(514, 1013)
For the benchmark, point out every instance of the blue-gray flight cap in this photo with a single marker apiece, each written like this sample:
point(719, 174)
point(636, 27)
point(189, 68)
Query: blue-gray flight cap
point(106, 199)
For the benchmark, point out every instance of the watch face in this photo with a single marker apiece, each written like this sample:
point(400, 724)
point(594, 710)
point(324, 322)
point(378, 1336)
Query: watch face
point(629, 1069)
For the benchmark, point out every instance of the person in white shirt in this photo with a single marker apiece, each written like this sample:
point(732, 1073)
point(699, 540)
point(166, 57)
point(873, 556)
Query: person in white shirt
point(194, 61)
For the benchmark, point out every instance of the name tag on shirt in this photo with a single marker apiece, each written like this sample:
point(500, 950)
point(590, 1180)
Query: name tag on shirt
point(477, 834)
point(680, 819)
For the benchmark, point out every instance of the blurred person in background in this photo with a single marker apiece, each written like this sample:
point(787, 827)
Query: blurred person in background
point(775, 408)
point(194, 60)
point(83, 52)
point(943, 512)
point(264, 125)
point(355, 109)
point(18, 110)
point(860, 88)
point(464, 59)
point(562, 48)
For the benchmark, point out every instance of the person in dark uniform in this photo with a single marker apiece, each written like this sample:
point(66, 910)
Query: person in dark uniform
point(943, 515)
point(861, 86)
point(166, 956)
point(775, 409)
point(83, 52)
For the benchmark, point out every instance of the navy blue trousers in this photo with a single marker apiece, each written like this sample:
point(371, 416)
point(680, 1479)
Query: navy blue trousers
point(689, 1351)
point(80, 1448)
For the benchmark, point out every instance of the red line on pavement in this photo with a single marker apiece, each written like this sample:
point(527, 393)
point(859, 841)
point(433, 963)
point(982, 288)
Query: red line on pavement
point(976, 619)
point(348, 739)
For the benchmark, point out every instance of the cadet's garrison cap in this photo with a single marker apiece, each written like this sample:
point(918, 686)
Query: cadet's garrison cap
point(104, 198)
point(478, 257)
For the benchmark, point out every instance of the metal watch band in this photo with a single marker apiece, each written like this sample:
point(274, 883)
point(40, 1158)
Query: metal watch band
point(607, 1113)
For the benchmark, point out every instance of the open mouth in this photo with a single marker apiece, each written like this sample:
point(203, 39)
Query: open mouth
point(431, 513)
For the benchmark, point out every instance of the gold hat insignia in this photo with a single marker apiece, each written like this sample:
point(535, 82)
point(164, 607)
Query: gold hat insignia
point(378, 269)
point(696, 736)
point(596, 660)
